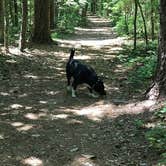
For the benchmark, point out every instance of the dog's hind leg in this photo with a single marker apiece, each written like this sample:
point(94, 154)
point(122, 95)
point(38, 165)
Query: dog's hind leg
point(68, 82)
point(74, 86)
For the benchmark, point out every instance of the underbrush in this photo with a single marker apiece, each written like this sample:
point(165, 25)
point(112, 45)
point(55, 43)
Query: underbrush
point(156, 136)
point(140, 64)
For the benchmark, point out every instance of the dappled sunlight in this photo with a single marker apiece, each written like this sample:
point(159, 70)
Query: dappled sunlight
point(16, 106)
point(74, 122)
point(98, 111)
point(25, 127)
point(34, 116)
point(2, 137)
point(58, 116)
point(95, 112)
point(4, 94)
point(14, 50)
point(32, 161)
point(150, 125)
point(87, 30)
point(83, 160)
point(94, 43)
point(31, 76)
point(83, 57)
point(17, 124)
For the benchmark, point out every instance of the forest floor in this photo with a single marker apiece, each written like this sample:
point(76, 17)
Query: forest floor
point(42, 125)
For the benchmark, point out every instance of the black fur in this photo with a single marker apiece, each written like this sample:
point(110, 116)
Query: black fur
point(83, 74)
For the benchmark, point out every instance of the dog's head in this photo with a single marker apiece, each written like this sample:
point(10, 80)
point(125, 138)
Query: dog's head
point(99, 87)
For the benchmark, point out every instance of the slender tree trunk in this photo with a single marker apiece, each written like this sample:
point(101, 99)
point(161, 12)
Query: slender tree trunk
point(93, 6)
point(144, 22)
point(126, 23)
point(84, 14)
point(135, 25)
point(52, 14)
point(56, 13)
point(15, 13)
point(22, 41)
point(41, 32)
point(1, 21)
point(159, 85)
point(6, 24)
point(11, 12)
point(152, 20)
point(30, 13)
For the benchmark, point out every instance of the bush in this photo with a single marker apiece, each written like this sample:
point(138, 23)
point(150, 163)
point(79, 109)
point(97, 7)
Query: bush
point(140, 64)
point(157, 135)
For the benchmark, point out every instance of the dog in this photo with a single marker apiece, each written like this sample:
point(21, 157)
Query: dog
point(83, 74)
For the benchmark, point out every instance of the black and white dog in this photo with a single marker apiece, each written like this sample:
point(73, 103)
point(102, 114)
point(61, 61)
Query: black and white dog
point(82, 74)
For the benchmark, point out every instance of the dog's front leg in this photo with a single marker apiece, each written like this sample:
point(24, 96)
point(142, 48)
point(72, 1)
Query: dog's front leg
point(91, 93)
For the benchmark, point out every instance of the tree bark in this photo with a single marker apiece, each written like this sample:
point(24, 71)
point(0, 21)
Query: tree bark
point(52, 14)
point(41, 32)
point(84, 14)
point(93, 6)
point(1, 21)
point(152, 20)
point(22, 41)
point(15, 13)
point(144, 22)
point(55, 13)
point(135, 25)
point(159, 84)
point(6, 25)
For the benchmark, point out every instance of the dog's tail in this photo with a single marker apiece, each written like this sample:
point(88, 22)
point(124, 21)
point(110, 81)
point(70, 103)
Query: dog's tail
point(72, 54)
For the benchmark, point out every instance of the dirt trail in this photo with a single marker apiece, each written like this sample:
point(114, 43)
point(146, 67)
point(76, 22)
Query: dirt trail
point(42, 125)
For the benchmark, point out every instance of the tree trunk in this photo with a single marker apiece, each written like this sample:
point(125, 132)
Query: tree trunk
point(11, 12)
point(6, 25)
point(152, 20)
point(84, 14)
point(159, 85)
point(22, 41)
point(93, 6)
point(55, 13)
point(41, 32)
point(1, 22)
point(135, 25)
point(126, 23)
point(52, 14)
point(15, 13)
point(144, 22)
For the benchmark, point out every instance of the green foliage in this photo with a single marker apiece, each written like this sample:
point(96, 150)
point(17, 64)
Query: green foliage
point(69, 15)
point(122, 17)
point(157, 136)
point(161, 114)
point(139, 123)
point(140, 64)
point(123, 27)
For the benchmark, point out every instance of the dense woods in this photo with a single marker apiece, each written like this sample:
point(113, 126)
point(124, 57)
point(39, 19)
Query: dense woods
point(26, 23)
point(65, 15)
